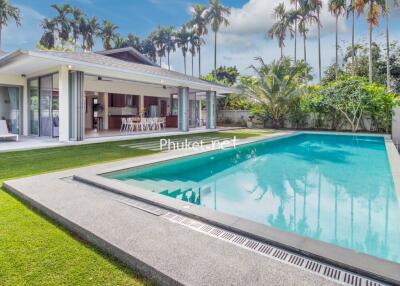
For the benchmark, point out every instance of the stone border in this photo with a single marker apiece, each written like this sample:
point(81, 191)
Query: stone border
point(348, 259)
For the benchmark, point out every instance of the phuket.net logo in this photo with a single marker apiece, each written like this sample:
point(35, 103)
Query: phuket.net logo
point(197, 145)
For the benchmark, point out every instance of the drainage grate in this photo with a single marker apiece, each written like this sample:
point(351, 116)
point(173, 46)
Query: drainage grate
point(332, 273)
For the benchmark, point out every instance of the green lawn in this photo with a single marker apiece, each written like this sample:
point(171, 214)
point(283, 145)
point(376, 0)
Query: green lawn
point(35, 251)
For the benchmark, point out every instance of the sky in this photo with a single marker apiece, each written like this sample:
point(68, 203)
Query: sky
point(238, 43)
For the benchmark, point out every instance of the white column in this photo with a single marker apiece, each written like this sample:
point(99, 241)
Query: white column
point(211, 99)
point(25, 109)
point(63, 86)
point(141, 104)
point(105, 112)
point(183, 109)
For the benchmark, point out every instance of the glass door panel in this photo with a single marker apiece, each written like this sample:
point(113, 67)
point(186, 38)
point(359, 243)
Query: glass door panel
point(55, 107)
point(46, 87)
point(15, 101)
point(33, 90)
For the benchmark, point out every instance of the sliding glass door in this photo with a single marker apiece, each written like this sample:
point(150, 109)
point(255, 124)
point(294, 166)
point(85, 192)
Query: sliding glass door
point(43, 106)
point(10, 106)
point(33, 90)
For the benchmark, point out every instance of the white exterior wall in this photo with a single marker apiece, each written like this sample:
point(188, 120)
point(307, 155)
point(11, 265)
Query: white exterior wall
point(396, 125)
point(22, 82)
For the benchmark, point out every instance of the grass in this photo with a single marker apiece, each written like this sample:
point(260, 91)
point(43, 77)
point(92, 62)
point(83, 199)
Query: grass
point(35, 251)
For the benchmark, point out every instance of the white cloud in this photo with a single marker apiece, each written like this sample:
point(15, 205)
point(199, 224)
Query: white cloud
point(255, 17)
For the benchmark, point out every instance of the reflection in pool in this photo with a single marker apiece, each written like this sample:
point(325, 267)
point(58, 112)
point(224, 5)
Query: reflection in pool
point(334, 188)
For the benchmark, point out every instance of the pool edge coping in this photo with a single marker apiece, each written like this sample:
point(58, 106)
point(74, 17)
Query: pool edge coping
point(292, 242)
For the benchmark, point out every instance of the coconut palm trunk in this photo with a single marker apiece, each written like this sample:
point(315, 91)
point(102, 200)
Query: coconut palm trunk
point(1, 29)
point(168, 55)
point(387, 50)
point(305, 47)
point(184, 62)
point(295, 38)
point(215, 52)
point(199, 61)
point(370, 76)
point(319, 47)
point(337, 47)
point(352, 36)
point(192, 65)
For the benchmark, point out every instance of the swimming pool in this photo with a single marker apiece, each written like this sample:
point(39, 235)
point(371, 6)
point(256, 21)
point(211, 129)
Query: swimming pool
point(334, 188)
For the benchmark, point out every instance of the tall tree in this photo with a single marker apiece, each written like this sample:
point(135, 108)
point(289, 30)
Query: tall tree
point(8, 13)
point(295, 2)
point(169, 42)
point(372, 17)
point(317, 6)
point(385, 11)
point(199, 25)
point(89, 29)
point(194, 44)
point(217, 15)
point(337, 8)
point(305, 15)
point(148, 48)
point(133, 41)
point(182, 42)
point(282, 25)
point(48, 38)
point(77, 15)
point(63, 22)
point(351, 11)
point(119, 42)
point(108, 32)
point(158, 38)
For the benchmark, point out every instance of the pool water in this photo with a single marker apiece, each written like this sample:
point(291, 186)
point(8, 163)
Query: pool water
point(334, 188)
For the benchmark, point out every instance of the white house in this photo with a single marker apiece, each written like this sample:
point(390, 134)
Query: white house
point(74, 95)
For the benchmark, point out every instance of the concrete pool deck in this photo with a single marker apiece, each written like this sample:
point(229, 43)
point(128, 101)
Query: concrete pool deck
point(165, 252)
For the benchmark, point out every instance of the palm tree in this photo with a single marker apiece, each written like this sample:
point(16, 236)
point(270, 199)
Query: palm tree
point(351, 11)
point(372, 17)
point(317, 6)
point(158, 38)
point(48, 38)
point(216, 15)
point(148, 48)
point(280, 28)
point(133, 41)
point(199, 25)
point(304, 16)
point(63, 23)
point(169, 43)
point(119, 42)
point(385, 11)
point(108, 34)
point(295, 2)
point(77, 15)
point(337, 8)
point(195, 42)
point(182, 42)
point(89, 28)
point(8, 13)
point(275, 85)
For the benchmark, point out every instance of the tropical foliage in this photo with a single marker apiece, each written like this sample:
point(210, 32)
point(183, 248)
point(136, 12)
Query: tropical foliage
point(274, 87)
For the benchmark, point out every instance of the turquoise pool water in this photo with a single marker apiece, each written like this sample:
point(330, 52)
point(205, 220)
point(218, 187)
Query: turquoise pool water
point(334, 188)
